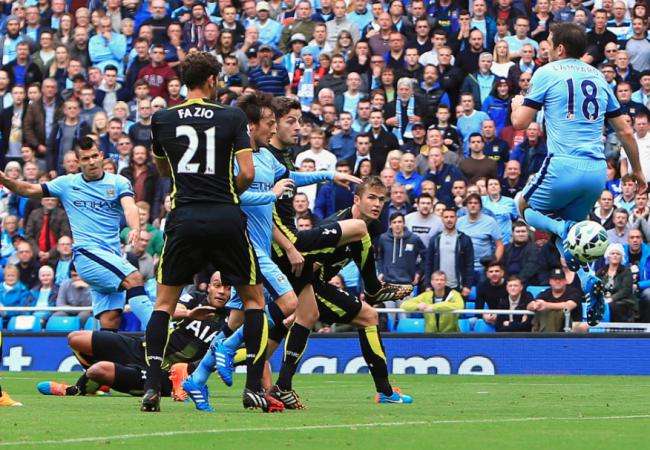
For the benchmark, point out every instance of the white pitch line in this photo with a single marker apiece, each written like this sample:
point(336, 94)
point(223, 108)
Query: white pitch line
point(314, 427)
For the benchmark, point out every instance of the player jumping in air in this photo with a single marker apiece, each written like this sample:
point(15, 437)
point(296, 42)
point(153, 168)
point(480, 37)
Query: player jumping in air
point(95, 202)
point(576, 101)
point(197, 143)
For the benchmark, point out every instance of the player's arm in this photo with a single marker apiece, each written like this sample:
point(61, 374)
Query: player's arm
point(498, 249)
point(307, 178)
point(295, 257)
point(132, 218)
point(21, 188)
point(246, 173)
point(250, 198)
point(159, 156)
point(522, 114)
point(626, 136)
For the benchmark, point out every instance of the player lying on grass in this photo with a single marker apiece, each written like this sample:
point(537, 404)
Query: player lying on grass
point(118, 361)
point(95, 202)
point(576, 101)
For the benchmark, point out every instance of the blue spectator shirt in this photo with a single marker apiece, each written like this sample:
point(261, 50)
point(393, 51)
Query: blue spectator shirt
point(470, 124)
point(273, 81)
point(504, 211)
point(484, 233)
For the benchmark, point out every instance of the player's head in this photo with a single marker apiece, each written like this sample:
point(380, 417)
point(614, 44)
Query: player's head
point(259, 111)
point(568, 40)
point(289, 117)
point(218, 292)
point(370, 198)
point(90, 158)
point(200, 71)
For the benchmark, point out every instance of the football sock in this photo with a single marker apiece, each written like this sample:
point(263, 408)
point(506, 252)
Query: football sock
point(110, 330)
point(255, 336)
point(226, 331)
point(140, 304)
point(127, 380)
point(541, 221)
point(294, 347)
point(372, 350)
point(235, 340)
point(364, 258)
point(156, 341)
point(205, 367)
point(279, 330)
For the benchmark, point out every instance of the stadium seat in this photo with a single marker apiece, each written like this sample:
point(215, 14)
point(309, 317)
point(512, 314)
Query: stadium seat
point(472, 294)
point(91, 324)
point(390, 323)
point(470, 305)
point(408, 325)
point(536, 290)
point(464, 325)
point(481, 327)
point(63, 323)
point(24, 323)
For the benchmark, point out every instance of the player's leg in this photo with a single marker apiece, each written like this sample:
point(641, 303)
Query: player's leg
point(137, 298)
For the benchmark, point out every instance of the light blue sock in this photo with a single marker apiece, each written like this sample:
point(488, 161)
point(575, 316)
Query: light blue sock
point(140, 304)
point(205, 368)
point(543, 222)
point(235, 340)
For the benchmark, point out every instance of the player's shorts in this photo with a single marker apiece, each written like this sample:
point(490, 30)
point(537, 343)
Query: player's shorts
point(334, 305)
point(104, 271)
point(566, 186)
point(118, 348)
point(235, 301)
point(199, 235)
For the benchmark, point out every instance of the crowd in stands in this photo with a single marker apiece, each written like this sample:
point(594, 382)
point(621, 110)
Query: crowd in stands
point(416, 92)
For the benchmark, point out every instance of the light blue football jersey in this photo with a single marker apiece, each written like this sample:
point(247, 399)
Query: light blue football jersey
point(93, 207)
point(576, 100)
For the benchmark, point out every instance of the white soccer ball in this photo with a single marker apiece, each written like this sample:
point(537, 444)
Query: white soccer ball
point(587, 241)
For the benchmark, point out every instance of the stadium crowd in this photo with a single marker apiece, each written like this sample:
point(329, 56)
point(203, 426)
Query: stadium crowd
point(415, 92)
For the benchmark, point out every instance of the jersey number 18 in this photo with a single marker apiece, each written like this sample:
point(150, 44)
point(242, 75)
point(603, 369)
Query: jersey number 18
point(590, 91)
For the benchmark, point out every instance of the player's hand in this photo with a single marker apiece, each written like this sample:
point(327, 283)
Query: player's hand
point(640, 182)
point(203, 312)
point(281, 186)
point(517, 101)
point(297, 261)
point(344, 179)
point(133, 237)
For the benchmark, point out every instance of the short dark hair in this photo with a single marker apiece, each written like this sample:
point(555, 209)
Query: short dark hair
point(425, 195)
point(478, 135)
point(282, 105)
point(110, 67)
point(520, 223)
point(198, 67)
point(343, 163)
point(473, 196)
point(253, 104)
point(514, 278)
point(395, 215)
point(572, 36)
point(86, 143)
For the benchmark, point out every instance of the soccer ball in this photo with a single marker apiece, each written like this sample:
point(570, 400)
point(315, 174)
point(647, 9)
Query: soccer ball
point(587, 241)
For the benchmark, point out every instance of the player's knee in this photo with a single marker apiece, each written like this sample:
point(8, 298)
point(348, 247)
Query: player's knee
point(101, 372)
point(367, 317)
point(133, 280)
point(110, 319)
point(287, 304)
point(76, 340)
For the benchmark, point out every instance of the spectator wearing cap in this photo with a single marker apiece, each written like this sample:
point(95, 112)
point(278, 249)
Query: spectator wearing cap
point(269, 77)
point(517, 300)
point(415, 145)
point(22, 70)
point(157, 72)
point(483, 230)
point(270, 30)
point(400, 253)
point(107, 48)
point(440, 299)
point(443, 175)
point(481, 82)
point(302, 25)
point(531, 152)
point(406, 110)
point(341, 23)
point(292, 58)
point(549, 306)
point(477, 165)
point(10, 40)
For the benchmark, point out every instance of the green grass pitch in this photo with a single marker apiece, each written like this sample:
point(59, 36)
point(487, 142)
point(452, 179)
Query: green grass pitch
point(449, 412)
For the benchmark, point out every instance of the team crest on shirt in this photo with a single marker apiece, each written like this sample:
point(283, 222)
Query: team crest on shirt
point(110, 192)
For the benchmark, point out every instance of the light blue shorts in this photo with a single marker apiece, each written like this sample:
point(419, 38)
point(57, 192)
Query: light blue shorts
point(566, 186)
point(104, 271)
point(236, 303)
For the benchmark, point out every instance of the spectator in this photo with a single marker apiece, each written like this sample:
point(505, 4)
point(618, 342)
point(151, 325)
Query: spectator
point(443, 175)
point(107, 48)
point(406, 110)
point(156, 243)
point(400, 253)
point(452, 252)
point(520, 38)
point(627, 196)
point(642, 138)
point(26, 264)
point(643, 94)
point(470, 121)
point(437, 304)
point(157, 72)
point(483, 230)
point(44, 294)
point(362, 144)
point(74, 292)
point(89, 108)
point(618, 286)
point(603, 212)
point(332, 197)
point(619, 233)
point(381, 141)
point(503, 208)
point(531, 152)
point(491, 292)
point(550, 305)
point(324, 159)
point(13, 292)
point(140, 132)
point(22, 70)
point(624, 91)
point(65, 135)
point(41, 117)
point(361, 122)
point(407, 176)
point(399, 202)
point(10, 232)
point(481, 82)
point(517, 300)
point(78, 48)
point(477, 165)
point(62, 259)
point(142, 174)
point(45, 226)
point(341, 23)
point(110, 92)
point(432, 89)
point(638, 47)
point(599, 37)
point(640, 217)
point(344, 143)
point(637, 253)
point(423, 223)
point(11, 126)
point(502, 58)
point(458, 193)
point(140, 259)
point(521, 257)
point(468, 58)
